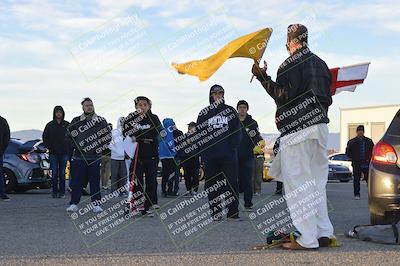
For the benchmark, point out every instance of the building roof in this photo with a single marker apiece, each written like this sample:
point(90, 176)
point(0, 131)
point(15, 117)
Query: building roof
point(369, 107)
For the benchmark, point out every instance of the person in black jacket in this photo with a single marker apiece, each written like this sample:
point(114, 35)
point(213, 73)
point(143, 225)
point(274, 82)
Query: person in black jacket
point(250, 137)
point(55, 140)
point(219, 126)
point(4, 140)
point(89, 135)
point(144, 128)
point(302, 93)
point(191, 164)
point(359, 150)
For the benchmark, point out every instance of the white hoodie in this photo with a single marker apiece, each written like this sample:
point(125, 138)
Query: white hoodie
point(117, 143)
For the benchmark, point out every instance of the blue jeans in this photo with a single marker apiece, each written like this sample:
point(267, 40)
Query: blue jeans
point(81, 171)
point(58, 162)
point(2, 184)
point(245, 179)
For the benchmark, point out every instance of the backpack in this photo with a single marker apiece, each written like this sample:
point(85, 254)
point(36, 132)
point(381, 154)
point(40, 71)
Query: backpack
point(383, 234)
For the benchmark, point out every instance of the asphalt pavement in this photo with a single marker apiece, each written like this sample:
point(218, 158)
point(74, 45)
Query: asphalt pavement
point(35, 229)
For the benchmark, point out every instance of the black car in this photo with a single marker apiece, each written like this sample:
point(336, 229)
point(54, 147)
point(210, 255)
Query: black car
point(26, 166)
point(384, 176)
point(340, 173)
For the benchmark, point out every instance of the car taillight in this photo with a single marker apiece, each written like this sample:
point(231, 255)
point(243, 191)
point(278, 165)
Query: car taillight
point(384, 153)
point(29, 157)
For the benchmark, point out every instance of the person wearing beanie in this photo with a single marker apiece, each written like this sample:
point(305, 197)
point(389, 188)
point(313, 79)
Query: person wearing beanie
point(250, 137)
point(55, 140)
point(302, 93)
point(219, 127)
point(359, 150)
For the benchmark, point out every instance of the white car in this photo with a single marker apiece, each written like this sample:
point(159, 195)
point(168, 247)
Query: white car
point(340, 158)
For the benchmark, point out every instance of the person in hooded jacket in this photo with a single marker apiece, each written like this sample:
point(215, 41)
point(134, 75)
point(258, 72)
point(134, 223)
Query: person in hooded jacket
point(55, 140)
point(250, 137)
point(219, 126)
point(144, 127)
point(118, 168)
point(4, 140)
point(169, 159)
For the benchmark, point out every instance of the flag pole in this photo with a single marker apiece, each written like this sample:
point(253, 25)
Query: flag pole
point(252, 76)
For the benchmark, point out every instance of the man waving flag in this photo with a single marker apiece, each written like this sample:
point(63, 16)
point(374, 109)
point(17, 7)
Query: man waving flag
point(250, 46)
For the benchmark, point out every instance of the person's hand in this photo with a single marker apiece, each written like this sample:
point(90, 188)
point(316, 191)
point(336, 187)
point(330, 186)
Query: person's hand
point(259, 71)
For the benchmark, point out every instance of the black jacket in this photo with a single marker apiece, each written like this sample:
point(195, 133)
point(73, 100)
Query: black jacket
point(353, 150)
point(302, 92)
point(219, 126)
point(4, 135)
point(250, 137)
point(146, 130)
point(54, 135)
point(89, 136)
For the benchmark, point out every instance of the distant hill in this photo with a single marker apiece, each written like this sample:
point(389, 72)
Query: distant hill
point(29, 134)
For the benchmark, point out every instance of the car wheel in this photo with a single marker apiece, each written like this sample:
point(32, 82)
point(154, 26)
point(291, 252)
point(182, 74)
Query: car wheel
point(10, 180)
point(377, 219)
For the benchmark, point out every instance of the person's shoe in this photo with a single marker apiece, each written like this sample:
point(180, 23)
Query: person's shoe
point(122, 194)
point(295, 246)
point(357, 197)
point(97, 209)
point(278, 192)
point(61, 196)
point(72, 208)
point(85, 193)
point(188, 194)
point(156, 206)
point(324, 242)
point(5, 197)
point(105, 188)
point(257, 194)
point(248, 209)
point(217, 218)
point(148, 214)
point(233, 217)
point(69, 189)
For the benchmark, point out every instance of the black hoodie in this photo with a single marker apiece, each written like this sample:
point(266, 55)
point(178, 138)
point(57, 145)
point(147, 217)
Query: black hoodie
point(54, 135)
point(219, 127)
point(146, 130)
point(4, 135)
point(250, 137)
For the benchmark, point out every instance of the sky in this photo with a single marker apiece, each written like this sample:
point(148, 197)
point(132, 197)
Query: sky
point(58, 52)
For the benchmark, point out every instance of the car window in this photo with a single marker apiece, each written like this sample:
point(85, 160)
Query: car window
point(394, 127)
point(342, 157)
point(12, 147)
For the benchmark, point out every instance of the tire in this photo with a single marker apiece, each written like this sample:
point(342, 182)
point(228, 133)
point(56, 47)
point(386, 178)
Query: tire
point(377, 219)
point(10, 180)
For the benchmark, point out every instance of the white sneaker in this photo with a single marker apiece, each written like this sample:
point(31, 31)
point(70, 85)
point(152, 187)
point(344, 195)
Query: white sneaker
point(156, 206)
point(97, 209)
point(257, 194)
point(72, 208)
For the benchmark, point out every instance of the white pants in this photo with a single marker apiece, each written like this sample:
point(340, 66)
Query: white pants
point(306, 163)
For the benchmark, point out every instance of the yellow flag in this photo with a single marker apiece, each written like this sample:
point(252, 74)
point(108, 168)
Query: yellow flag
point(251, 46)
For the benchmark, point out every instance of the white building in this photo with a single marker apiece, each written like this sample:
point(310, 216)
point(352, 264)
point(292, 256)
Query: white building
point(376, 119)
